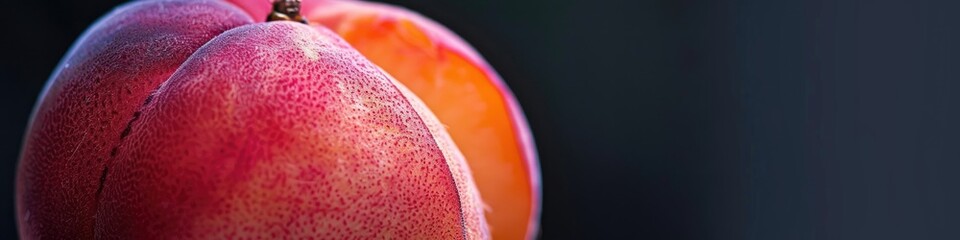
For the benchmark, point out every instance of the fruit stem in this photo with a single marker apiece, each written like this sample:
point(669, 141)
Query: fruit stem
point(286, 10)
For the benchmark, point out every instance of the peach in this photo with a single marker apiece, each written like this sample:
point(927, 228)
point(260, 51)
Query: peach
point(185, 119)
point(465, 93)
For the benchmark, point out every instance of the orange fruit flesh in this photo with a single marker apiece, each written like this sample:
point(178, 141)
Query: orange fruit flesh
point(465, 99)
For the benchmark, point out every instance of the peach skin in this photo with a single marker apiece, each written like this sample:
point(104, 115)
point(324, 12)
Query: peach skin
point(187, 119)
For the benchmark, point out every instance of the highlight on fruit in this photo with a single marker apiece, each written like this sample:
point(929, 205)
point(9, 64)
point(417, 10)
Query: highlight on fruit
point(331, 119)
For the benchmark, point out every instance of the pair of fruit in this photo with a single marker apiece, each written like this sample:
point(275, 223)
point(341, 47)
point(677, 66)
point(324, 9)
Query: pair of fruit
point(195, 119)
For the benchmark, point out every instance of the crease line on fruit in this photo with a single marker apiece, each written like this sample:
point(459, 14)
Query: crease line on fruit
point(113, 153)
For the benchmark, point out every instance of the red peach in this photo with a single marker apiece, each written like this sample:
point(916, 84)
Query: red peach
point(268, 130)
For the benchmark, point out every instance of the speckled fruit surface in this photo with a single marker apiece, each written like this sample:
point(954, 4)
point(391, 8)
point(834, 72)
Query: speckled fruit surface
point(465, 93)
point(179, 119)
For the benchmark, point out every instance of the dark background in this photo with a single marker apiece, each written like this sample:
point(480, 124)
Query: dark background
point(677, 119)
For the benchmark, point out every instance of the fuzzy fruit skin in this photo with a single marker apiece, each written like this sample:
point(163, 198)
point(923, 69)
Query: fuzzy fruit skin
point(298, 136)
point(466, 94)
point(269, 130)
point(90, 98)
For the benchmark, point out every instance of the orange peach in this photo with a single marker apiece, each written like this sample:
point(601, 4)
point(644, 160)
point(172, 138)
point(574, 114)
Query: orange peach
point(465, 93)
